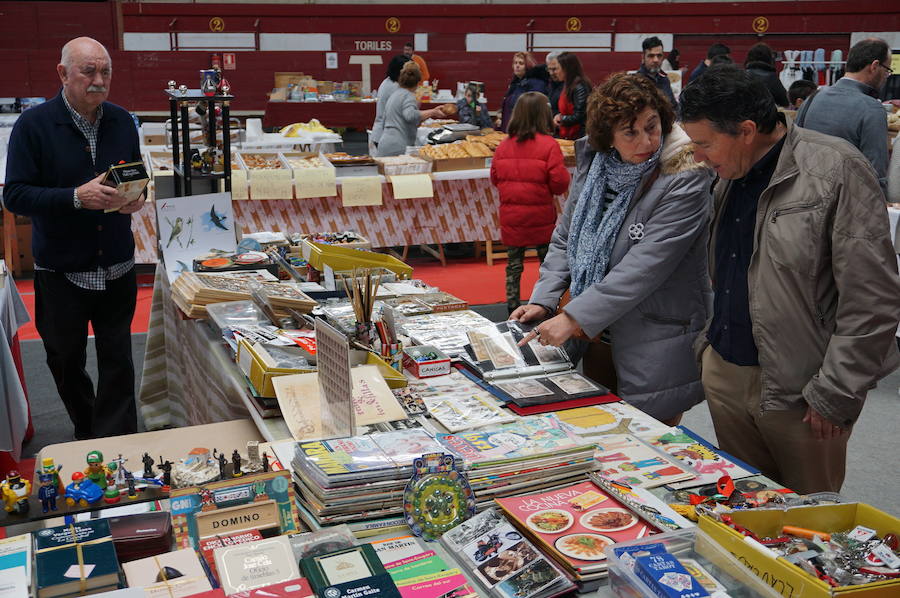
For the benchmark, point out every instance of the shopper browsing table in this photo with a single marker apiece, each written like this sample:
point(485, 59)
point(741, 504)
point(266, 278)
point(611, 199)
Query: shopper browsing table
point(526, 77)
point(631, 249)
point(387, 87)
point(402, 115)
point(807, 297)
point(528, 171)
point(470, 111)
point(84, 257)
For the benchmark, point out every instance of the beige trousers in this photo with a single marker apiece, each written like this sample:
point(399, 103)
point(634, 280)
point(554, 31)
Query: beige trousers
point(779, 443)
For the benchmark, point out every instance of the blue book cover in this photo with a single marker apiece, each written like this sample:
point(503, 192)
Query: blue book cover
point(73, 557)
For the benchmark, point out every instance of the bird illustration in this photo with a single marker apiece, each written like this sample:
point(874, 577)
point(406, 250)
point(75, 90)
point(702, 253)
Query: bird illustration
point(176, 231)
point(217, 219)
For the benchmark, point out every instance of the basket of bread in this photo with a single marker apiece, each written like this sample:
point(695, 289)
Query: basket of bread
point(461, 155)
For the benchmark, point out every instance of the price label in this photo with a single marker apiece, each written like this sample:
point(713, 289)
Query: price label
point(361, 191)
point(238, 184)
point(314, 182)
point(270, 184)
point(411, 186)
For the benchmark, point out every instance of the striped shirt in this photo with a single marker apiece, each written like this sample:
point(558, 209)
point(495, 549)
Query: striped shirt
point(94, 280)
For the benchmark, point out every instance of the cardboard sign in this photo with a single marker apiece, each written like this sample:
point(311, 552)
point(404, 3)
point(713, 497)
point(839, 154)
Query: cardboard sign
point(361, 191)
point(315, 182)
point(270, 184)
point(411, 186)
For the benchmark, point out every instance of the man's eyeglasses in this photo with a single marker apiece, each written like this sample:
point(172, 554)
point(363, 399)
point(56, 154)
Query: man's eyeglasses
point(887, 68)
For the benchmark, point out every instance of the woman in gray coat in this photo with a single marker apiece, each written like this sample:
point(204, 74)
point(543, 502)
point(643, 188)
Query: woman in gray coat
point(402, 115)
point(631, 249)
point(387, 87)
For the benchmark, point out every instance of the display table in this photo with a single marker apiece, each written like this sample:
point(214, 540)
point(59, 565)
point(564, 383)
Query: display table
point(352, 115)
point(465, 208)
point(15, 426)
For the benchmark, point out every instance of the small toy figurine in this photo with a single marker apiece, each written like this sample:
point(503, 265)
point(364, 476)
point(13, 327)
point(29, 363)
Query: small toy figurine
point(236, 463)
point(265, 461)
point(148, 466)
point(15, 491)
point(117, 466)
point(48, 466)
point(222, 459)
point(129, 481)
point(166, 467)
point(48, 492)
point(96, 471)
point(82, 491)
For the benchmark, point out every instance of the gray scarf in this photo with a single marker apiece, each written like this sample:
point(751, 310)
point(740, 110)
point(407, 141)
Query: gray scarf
point(591, 237)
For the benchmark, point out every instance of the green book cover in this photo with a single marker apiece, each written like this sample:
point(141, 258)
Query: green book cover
point(349, 572)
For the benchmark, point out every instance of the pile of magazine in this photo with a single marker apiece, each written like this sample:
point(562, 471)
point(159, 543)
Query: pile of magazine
point(360, 480)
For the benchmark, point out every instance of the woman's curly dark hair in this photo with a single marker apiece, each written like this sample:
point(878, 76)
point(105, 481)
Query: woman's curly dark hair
point(621, 98)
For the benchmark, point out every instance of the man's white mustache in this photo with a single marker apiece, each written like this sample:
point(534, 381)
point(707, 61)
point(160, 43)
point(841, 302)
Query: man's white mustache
point(96, 89)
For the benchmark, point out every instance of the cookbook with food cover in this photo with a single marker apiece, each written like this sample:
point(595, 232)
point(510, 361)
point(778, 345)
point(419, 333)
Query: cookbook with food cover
point(575, 524)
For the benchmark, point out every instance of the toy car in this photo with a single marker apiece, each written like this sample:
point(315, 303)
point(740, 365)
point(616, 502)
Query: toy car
point(82, 491)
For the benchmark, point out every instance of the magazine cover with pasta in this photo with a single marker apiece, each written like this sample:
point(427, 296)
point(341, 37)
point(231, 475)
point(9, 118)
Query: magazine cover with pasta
point(575, 524)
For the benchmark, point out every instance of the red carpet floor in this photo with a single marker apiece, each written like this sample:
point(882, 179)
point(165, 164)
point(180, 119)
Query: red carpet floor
point(469, 279)
point(473, 280)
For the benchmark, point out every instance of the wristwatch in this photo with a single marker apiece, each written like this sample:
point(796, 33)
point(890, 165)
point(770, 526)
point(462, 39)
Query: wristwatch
point(75, 201)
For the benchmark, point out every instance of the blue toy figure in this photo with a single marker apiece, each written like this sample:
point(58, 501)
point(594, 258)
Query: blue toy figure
point(48, 491)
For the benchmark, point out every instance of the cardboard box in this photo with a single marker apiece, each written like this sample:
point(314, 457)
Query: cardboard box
point(283, 79)
point(259, 373)
point(790, 580)
point(459, 164)
point(426, 369)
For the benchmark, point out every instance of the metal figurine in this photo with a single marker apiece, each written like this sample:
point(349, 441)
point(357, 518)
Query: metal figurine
point(222, 459)
point(148, 466)
point(166, 467)
point(129, 481)
point(48, 492)
point(119, 472)
point(265, 461)
point(236, 463)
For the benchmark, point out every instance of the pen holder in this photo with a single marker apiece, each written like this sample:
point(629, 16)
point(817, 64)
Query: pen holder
point(365, 333)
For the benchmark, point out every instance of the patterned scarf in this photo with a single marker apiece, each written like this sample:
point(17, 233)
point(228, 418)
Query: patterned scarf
point(592, 236)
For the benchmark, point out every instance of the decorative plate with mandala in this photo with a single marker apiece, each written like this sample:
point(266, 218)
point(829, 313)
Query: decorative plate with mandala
point(437, 496)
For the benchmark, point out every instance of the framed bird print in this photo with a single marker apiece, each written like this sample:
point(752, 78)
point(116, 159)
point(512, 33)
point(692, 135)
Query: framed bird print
point(192, 226)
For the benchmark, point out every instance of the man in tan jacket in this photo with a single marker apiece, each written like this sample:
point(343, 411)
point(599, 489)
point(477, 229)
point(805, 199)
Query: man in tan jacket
point(807, 296)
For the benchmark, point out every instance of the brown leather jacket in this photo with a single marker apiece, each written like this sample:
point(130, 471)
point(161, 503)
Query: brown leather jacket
point(824, 290)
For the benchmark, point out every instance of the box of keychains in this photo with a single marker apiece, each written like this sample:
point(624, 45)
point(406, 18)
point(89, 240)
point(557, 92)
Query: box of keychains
point(845, 550)
point(683, 563)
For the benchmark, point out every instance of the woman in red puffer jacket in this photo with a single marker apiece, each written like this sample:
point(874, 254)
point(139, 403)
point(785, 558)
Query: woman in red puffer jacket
point(528, 171)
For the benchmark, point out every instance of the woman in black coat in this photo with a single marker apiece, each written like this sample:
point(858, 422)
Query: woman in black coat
point(760, 63)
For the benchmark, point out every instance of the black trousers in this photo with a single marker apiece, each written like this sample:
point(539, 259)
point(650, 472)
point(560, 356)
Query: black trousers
point(63, 311)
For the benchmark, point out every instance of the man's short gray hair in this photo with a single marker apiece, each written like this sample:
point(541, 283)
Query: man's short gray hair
point(65, 58)
point(552, 56)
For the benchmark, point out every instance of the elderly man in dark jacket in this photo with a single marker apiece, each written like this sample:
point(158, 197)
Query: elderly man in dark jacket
point(807, 297)
point(58, 155)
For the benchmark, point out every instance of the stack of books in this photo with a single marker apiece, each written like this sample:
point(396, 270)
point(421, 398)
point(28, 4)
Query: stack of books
point(360, 480)
point(193, 291)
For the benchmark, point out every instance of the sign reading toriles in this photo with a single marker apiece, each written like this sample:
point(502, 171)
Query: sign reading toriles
point(372, 46)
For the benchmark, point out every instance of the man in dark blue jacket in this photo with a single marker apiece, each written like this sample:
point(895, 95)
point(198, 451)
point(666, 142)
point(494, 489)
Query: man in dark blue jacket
point(651, 66)
point(84, 256)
